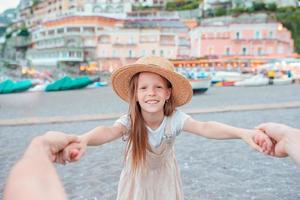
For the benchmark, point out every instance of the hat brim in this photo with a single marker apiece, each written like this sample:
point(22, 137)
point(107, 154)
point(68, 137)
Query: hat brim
point(181, 87)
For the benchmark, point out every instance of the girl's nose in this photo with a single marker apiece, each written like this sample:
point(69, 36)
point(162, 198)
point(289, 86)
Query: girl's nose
point(151, 91)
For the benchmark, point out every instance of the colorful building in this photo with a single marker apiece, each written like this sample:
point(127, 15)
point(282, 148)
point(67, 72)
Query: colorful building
point(67, 41)
point(246, 36)
point(78, 40)
point(134, 39)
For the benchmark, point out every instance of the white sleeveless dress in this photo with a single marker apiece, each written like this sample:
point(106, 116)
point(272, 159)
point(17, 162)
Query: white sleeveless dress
point(160, 180)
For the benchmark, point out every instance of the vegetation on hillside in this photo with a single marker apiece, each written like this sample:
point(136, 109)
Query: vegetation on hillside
point(290, 18)
point(182, 5)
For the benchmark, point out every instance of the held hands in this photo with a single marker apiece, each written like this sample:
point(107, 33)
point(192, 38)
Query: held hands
point(259, 141)
point(54, 143)
point(74, 151)
point(277, 133)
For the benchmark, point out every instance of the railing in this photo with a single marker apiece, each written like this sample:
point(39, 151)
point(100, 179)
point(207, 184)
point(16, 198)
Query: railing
point(21, 41)
point(124, 44)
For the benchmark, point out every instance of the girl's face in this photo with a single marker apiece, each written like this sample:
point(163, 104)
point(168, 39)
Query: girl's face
point(152, 92)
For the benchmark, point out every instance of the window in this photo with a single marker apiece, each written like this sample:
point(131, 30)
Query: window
point(114, 53)
point(227, 53)
point(270, 50)
point(73, 29)
point(237, 35)
point(244, 51)
point(71, 54)
point(130, 53)
point(161, 52)
point(89, 29)
point(271, 34)
point(60, 30)
point(259, 51)
point(210, 50)
point(280, 49)
point(143, 53)
point(257, 35)
point(153, 52)
point(131, 40)
point(51, 32)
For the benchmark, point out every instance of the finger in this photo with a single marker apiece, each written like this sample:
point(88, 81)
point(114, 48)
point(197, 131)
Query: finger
point(266, 146)
point(256, 139)
point(261, 142)
point(74, 153)
point(255, 146)
point(67, 151)
point(59, 159)
point(72, 138)
point(80, 154)
point(273, 141)
point(66, 154)
point(269, 144)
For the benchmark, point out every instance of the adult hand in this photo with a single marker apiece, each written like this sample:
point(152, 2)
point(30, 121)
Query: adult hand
point(55, 142)
point(34, 176)
point(277, 132)
point(259, 141)
point(74, 151)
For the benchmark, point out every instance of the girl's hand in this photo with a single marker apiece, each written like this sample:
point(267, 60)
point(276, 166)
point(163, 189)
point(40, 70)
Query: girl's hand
point(278, 134)
point(74, 151)
point(259, 141)
point(265, 142)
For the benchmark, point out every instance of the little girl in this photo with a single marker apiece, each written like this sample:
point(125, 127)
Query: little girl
point(153, 90)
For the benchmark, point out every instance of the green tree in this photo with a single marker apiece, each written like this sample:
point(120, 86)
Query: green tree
point(220, 12)
point(259, 6)
point(290, 18)
point(271, 7)
point(182, 5)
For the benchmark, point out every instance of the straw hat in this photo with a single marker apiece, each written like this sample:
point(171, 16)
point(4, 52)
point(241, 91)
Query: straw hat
point(181, 87)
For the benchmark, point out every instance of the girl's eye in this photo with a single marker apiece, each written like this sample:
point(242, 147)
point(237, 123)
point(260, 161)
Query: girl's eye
point(142, 88)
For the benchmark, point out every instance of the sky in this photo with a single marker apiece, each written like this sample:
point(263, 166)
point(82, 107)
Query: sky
point(6, 4)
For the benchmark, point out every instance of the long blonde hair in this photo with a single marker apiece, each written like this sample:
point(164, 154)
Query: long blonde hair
point(138, 137)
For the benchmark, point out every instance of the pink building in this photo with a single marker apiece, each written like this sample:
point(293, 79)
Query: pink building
point(247, 36)
point(75, 41)
point(134, 39)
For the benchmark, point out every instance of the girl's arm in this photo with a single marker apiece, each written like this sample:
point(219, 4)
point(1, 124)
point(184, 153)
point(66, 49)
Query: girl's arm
point(213, 130)
point(216, 130)
point(97, 136)
point(103, 134)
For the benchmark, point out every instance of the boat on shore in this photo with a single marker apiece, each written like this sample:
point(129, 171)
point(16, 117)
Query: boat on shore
point(228, 77)
point(68, 83)
point(257, 80)
point(200, 85)
point(200, 80)
point(10, 86)
point(282, 81)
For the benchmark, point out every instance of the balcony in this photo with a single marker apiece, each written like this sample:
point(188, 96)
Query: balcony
point(167, 43)
point(124, 44)
point(21, 42)
point(184, 43)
